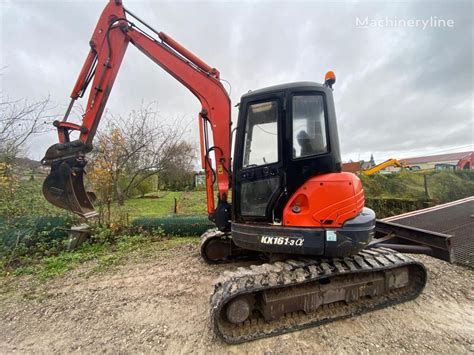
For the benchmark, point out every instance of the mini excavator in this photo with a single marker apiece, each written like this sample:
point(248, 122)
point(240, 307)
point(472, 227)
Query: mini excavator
point(291, 204)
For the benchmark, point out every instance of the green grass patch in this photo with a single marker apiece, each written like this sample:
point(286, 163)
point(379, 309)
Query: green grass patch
point(161, 204)
point(178, 225)
point(102, 256)
point(193, 203)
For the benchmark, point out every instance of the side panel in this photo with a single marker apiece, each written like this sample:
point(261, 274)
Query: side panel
point(347, 240)
point(278, 239)
point(326, 200)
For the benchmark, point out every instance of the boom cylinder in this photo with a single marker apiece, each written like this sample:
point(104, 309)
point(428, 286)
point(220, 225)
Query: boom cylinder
point(188, 55)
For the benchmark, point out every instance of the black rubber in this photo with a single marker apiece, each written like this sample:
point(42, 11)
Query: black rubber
point(296, 272)
point(236, 253)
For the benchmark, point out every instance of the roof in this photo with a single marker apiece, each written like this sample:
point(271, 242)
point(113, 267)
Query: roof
point(435, 158)
point(351, 167)
point(282, 87)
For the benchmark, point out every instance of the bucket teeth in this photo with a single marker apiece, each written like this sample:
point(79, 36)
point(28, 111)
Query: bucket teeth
point(64, 187)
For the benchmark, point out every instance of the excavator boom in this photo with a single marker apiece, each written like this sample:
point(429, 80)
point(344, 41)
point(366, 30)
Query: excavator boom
point(383, 165)
point(64, 187)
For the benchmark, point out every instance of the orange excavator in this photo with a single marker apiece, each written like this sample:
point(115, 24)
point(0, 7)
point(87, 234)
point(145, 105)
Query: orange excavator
point(291, 204)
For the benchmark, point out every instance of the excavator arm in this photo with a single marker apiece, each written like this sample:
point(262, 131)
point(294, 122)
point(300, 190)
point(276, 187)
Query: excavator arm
point(384, 165)
point(64, 186)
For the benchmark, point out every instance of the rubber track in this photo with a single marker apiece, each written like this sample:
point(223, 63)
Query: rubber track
point(216, 234)
point(205, 238)
point(300, 271)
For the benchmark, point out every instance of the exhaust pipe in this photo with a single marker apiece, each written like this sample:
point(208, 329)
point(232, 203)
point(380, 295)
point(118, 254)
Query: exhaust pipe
point(64, 187)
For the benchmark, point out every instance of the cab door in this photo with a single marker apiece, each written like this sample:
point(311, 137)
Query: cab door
point(258, 167)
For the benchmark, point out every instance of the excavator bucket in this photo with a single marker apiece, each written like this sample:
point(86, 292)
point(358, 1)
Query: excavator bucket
point(64, 188)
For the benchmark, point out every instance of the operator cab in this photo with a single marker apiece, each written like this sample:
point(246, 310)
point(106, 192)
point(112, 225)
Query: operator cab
point(289, 194)
point(287, 134)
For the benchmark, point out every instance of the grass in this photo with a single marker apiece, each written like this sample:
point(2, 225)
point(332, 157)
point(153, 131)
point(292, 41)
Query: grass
point(193, 202)
point(101, 256)
point(161, 203)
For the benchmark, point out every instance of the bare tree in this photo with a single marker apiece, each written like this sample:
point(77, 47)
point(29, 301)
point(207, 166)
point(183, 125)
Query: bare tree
point(19, 120)
point(132, 149)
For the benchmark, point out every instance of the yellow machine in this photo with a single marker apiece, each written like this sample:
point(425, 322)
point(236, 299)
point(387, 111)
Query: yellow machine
point(381, 166)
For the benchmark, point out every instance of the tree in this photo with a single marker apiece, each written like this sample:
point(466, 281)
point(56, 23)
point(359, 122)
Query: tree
point(130, 150)
point(178, 174)
point(145, 186)
point(105, 171)
point(19, 120)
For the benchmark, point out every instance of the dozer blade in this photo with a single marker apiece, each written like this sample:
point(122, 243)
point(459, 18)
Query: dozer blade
point(64, 187)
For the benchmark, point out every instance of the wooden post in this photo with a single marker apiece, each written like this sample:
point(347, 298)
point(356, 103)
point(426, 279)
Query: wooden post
point(425, 179)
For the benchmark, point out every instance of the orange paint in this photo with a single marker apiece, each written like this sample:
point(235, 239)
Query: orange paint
point(325, 201)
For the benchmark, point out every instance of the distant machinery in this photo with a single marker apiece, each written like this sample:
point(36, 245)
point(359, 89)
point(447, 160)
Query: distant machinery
point(466, 162)
point(385, 164)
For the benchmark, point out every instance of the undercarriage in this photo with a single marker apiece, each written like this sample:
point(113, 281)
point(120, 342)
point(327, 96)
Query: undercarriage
point(284, 296)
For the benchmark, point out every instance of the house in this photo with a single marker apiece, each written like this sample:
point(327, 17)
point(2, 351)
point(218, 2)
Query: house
point(200, 179)
point(368, 164)
point(352, 167)
point(355, 167)
point(440, 161)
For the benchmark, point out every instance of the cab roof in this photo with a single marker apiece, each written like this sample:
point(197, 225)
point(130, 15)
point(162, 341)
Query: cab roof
point(283, 87)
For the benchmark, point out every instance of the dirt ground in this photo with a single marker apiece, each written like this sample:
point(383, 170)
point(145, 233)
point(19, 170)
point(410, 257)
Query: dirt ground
point(162, 305)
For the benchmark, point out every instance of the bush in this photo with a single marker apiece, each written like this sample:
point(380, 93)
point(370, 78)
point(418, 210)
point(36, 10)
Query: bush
point(447, 186)
point(145, 186)
point(393, 194)
point(178, 226)
point(32, 237)
point(386, 207)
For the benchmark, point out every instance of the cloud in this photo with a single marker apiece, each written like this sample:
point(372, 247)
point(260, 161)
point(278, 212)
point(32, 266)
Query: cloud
point(399, 91)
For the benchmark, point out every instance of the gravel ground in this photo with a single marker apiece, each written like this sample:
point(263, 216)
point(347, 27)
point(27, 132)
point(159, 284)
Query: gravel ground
point(162, 305)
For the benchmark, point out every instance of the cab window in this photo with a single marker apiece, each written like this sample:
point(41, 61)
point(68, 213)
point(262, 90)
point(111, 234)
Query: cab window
point(309, 126)
point(261, 134)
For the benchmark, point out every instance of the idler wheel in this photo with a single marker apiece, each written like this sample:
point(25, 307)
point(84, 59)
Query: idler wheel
point(218, 249)
point(238, 310)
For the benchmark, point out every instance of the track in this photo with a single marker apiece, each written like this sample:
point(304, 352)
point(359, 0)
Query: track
point(217, 248)
point(294, 273)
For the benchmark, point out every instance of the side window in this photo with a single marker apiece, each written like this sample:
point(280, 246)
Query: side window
point(261, 134)
point(309, 126)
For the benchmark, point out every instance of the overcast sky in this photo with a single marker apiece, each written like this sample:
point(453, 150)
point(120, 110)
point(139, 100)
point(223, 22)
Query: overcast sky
point(401, 90)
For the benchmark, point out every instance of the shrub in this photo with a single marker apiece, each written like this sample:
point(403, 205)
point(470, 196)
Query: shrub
point(447, 186)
